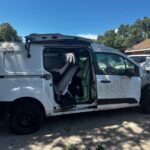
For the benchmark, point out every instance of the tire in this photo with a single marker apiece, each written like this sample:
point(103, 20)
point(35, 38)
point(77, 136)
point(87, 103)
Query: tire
point(26, 118)
point(145, 102)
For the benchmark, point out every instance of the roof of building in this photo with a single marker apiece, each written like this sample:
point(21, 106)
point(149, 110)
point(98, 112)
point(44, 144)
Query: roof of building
point(142, 45)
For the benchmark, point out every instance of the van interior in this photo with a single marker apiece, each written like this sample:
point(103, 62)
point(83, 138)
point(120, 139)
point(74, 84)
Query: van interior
point(72, 75)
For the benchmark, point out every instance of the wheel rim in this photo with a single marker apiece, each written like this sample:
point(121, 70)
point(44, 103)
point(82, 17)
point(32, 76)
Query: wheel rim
point(26, 119)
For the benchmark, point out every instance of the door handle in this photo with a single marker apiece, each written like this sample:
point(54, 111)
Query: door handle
point(105, 81)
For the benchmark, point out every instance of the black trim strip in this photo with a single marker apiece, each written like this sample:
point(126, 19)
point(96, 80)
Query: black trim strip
point(21, 75)
point(116, 101)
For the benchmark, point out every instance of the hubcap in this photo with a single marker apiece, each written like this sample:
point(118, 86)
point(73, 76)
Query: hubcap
point(26, 119)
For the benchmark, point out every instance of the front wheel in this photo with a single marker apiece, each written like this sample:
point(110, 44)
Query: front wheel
point(26, 118)
point(145, 102)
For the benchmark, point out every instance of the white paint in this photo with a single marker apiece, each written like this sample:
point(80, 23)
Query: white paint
point(119, 87)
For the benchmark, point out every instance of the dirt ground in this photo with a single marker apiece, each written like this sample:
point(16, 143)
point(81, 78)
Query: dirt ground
point(126, 129)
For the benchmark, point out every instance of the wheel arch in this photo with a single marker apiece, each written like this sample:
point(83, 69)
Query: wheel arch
point(145, 88)
point(22, 100)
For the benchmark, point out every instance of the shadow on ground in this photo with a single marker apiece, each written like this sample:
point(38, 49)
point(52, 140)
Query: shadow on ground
point(117, 129)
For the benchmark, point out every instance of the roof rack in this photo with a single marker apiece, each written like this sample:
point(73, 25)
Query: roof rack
point(55, 39)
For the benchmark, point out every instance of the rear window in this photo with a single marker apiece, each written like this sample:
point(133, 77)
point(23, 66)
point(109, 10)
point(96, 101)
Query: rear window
point(139, 59)
point(53, 60)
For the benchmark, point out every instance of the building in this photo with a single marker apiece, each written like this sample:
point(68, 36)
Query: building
point(140, 48)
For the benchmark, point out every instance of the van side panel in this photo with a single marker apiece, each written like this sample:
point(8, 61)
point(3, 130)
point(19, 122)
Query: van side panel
point(17, 63)
point(14, 88)
point(23, 77)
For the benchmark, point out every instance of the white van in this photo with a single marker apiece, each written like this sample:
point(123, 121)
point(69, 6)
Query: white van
point(54, 74)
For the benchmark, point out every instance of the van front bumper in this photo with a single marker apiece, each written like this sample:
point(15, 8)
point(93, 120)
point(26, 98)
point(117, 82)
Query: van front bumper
point(4, 107)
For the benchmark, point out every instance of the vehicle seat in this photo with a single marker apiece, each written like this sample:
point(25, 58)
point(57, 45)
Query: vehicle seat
point(61, 87)
point(58, 71)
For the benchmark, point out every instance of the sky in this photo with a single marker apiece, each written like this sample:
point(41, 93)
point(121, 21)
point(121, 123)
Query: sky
point(87, 18)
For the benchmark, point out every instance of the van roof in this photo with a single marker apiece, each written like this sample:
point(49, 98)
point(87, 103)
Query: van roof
point(57, 38)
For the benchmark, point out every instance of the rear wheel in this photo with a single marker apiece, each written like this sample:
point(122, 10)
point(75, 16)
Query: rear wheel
point(26, 118)
point(145, 102)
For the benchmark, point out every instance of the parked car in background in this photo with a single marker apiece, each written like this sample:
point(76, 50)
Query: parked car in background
point(143, 60)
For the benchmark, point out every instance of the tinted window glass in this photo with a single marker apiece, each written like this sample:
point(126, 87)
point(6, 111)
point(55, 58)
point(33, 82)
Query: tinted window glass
point(139, 59)
point(131, 68)
point(57, 60)
point(110, 64)
point(53, 60)
point(113, 64)
point(136, 59)
point(143, 59)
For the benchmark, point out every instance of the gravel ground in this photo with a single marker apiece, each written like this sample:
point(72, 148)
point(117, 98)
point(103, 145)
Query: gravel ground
point(126, 129)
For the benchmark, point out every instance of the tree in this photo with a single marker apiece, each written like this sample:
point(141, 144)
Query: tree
point(144, 26)
point(107, 38)
point(122, 37)
point(8, 33)
point(126, 35)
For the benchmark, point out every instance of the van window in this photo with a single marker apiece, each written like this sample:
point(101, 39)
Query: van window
point(130, 67)
point(113, 64)
point(57, 60)
point(110, 64)
point(53, 60)
point(139, 59)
